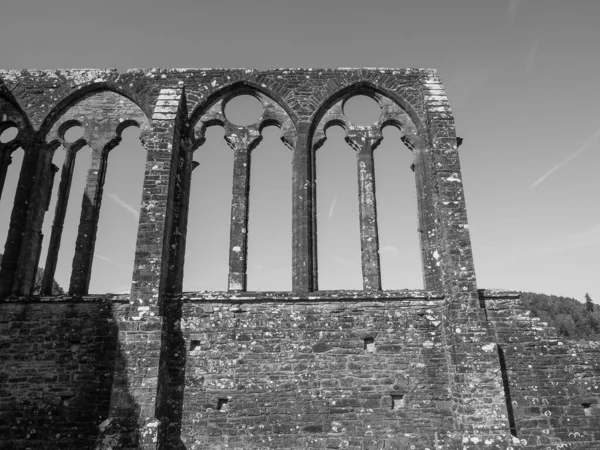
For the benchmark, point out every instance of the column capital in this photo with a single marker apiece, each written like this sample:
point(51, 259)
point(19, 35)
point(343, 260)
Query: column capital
point(364, 139)
point(242, 138)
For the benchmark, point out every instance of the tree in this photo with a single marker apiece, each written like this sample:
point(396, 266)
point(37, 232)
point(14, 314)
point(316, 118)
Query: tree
point(571, 318)
point(589, 304)
point(39, 276)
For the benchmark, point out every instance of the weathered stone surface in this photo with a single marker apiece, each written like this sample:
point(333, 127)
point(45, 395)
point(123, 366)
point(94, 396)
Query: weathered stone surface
point(449, 367)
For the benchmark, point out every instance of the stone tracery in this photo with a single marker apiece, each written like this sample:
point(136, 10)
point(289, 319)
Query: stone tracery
point(160, 364)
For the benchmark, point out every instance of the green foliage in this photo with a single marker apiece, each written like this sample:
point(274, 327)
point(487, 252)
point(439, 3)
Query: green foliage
point(39, 276)
point(571, 318)
point(589, 304)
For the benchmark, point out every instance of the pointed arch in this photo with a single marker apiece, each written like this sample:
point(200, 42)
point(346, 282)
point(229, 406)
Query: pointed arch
point(11, 111)
point(396, 112)
point(238, 87)
point(84, 92)
point(367, 88)
point(102, 133)
point(11, 115)
point(242, 140)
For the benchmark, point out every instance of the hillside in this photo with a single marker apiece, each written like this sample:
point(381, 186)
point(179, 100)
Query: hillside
point(570, 317)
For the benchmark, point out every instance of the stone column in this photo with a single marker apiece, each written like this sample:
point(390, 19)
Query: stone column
point(59, 220)
point(180, 218)
point(475, 380)
point(88, 223)
point(154, 232)
point(242, 140)
point(140, 386)
point(302, 204)
point(364, 141)
point(19, 262)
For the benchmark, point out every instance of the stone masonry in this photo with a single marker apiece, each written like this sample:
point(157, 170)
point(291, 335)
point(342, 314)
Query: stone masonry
point(448, 367)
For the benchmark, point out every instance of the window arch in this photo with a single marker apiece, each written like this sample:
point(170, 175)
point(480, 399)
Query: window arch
point(364, 139)
point(242, 140)
point(103, 116)
point(15, 130)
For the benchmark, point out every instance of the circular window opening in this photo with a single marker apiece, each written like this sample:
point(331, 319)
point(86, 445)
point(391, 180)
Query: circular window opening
point(362, 110)
point(8, 134)
point(243, 110)
point(131, 133)
point(73, 133)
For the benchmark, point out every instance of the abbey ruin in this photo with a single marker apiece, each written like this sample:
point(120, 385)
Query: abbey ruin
point(452, 366)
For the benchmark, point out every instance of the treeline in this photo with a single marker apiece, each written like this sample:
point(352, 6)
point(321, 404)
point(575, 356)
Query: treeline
point(571, 318)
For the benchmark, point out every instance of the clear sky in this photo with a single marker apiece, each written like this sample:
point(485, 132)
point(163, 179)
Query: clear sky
point(521, 76)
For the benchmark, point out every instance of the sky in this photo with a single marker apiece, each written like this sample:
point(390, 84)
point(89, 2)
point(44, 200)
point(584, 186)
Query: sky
point(521, 77)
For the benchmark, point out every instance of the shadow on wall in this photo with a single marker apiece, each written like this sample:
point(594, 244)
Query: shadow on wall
point(176, 363)
point(57, 372)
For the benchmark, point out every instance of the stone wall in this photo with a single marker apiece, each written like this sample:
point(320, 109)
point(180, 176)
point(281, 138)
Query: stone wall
point(318, 373)
point(450, 367)
point(553, 384)
point(56, 372)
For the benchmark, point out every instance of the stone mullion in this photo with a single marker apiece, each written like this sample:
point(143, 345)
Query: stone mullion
point(5, 285)
point(238, 240)
point(368, 221)
point(302, 192)
point(64, 190)
point(364, 143)
point(88, 223)
point(242, 140)
point(5, 162)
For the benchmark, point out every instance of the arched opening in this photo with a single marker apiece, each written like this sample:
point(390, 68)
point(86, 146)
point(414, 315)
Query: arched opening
point(270, 216)
point(89, 211)
point(338, 229)
point(237, 197)
point(119, 216)
point(8, 134)
point(362, 110)
point(243, 110)
point(206, 266)
point(72, 133)
point(58, 160)
point(397, 218)
point(83, 159)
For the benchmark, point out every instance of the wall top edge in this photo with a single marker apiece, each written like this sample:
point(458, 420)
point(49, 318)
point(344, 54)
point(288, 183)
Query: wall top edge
point(207, 296)
point(49, 71)
point(498, 293)
point(112, 298)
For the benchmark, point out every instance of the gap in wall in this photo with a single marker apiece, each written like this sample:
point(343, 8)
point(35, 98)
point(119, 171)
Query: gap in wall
point(243, 110)
point(8, 134)
point(362, 110)
point(64, 264)
point(119, 216)
point(207, 244)
point(9, 191)
point(397, 218)
point(338, 229)
point(58, 159)
point(270, 215)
